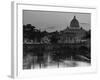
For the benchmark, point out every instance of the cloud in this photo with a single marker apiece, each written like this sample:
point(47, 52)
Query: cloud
point(51, 28)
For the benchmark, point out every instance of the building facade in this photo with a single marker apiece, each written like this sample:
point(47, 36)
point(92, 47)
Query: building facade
point(72, 34)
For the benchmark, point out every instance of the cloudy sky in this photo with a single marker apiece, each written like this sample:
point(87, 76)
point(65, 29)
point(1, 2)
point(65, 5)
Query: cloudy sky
point(52, 21)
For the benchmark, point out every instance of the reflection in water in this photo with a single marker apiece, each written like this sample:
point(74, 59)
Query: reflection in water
point(47, 61)
point(50, 56)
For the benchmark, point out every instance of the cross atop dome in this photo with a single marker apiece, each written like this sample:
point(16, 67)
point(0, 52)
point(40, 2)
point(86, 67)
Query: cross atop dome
point(74, 17)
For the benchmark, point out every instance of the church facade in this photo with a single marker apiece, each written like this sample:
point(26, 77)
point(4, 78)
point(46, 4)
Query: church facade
point(72, 34)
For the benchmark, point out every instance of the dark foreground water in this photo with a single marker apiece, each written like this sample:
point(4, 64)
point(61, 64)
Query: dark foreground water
point(55, 56)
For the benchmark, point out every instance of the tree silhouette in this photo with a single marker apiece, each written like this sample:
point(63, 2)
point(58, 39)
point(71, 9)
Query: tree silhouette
point(31, 32)
point(54, 37)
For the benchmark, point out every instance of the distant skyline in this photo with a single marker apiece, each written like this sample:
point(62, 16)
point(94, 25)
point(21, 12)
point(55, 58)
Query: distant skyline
point(52, 21)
